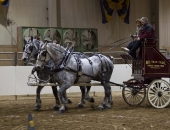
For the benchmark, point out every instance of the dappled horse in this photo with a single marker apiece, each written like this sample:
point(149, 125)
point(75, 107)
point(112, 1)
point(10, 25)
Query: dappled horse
point(70, 70)
point(29, 56)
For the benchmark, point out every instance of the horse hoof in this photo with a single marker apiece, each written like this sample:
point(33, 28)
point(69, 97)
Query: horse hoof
point(56, 108)
point(104, 106)
point(108, 107)
point(36, 108)
point(61, 111)
point(111, 103)
point(80, 105)
point(100, 108)
point(69, 101)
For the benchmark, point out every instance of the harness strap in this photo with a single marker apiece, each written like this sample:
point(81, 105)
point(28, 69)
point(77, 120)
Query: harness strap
point(100, 57)
point(64, 61)
point(103, 61)
point(79, 68)
point(72, 70)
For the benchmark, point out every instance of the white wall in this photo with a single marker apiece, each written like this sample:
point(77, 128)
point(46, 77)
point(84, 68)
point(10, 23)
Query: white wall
point(164, 26)
point(14, 80)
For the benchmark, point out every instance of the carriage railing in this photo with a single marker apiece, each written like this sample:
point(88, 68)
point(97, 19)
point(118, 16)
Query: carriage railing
point(137, 67)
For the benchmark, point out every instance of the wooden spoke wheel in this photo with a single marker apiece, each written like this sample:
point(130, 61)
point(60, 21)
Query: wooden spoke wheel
point(159, 93)
point(133, 93)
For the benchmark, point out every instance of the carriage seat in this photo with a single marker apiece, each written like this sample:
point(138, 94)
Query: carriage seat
point(147, 42)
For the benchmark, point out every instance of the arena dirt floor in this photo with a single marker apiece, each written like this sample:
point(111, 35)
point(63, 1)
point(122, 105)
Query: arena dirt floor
point(14, 115)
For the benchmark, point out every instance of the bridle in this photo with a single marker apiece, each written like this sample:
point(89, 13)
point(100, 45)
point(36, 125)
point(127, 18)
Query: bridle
point(45, 55)
point(31, 46)
point(29, 53)
point(63, 59)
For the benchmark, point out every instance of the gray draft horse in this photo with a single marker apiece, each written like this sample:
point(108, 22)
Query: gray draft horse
point(29, 56)
point(70, 70)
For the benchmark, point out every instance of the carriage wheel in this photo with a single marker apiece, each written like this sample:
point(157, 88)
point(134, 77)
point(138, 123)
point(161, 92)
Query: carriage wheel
point(159, 93)
point(134, 95)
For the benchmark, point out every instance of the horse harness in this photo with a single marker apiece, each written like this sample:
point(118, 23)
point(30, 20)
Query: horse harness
point(63, 63)
point(65, 60)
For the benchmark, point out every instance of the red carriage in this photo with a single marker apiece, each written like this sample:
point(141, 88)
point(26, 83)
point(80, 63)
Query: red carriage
point(148, 73)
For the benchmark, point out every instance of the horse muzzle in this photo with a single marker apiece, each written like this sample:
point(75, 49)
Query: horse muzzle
point(25, 59)
point(38, 67)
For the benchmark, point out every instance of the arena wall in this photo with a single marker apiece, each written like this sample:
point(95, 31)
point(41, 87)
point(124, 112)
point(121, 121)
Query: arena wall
point(14, 80)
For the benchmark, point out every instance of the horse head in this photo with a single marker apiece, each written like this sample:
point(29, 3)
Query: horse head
point(43, 57)
point(31, 51)
point(50, 51)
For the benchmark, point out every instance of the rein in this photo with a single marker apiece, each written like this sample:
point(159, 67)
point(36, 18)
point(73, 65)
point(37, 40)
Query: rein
point(112, 43)
point(117, 45)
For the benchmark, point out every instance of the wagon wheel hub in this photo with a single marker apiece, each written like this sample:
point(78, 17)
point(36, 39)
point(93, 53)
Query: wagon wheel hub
point(134, 91)
point(159, 94)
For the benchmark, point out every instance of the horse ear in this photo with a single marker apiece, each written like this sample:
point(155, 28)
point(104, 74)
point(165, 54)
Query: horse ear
point(45, 46)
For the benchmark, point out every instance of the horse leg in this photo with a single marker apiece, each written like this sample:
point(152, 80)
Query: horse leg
point(38, 100)
point(61, 91)
point(56, 106)
point(82, 102)
point(65, 96)
point(107, 100)
point(87, 96)
point(111, 101)
point(108, 97)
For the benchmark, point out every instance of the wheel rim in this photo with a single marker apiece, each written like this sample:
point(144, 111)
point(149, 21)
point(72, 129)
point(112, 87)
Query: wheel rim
point(159, 93)
point(134, 96)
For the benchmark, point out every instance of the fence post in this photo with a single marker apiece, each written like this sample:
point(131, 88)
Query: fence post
point(15, 58)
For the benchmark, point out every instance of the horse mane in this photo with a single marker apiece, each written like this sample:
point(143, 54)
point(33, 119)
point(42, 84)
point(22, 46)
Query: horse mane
point(56, 46)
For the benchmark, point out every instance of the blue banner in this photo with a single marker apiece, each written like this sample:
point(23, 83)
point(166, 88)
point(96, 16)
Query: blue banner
point(4, 2)
point(122, 7)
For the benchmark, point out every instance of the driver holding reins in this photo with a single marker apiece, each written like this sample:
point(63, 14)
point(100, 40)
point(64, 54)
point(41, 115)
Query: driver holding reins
point(147, 31)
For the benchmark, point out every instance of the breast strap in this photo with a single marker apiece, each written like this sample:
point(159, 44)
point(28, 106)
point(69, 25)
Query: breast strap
point(79, 68)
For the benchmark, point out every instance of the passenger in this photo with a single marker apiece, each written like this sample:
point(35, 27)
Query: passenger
point(131, 44)
point(146, 31)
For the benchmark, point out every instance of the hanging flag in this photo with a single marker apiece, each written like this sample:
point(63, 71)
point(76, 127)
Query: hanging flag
point(107, 10)
point(122, 7)
point(4, 2)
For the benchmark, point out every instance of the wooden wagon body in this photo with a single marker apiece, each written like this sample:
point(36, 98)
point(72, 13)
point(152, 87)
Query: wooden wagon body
point(148, 72)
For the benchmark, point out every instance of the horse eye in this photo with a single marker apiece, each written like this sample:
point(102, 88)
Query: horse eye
point(44, 53)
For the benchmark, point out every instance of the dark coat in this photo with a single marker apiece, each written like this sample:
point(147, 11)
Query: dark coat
point(147, 31)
